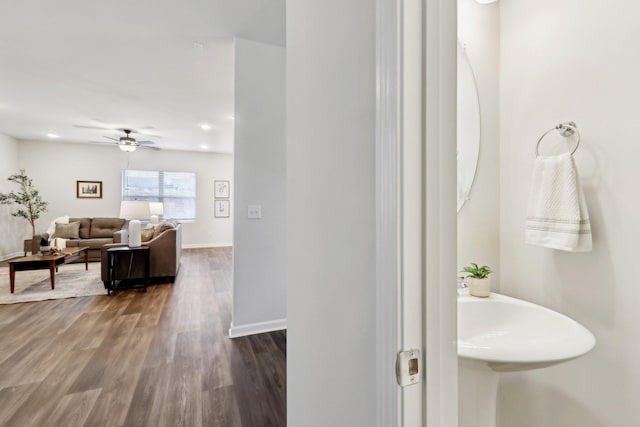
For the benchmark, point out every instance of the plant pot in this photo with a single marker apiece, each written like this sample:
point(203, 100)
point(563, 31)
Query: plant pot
point(44, 250)
point(479, 287)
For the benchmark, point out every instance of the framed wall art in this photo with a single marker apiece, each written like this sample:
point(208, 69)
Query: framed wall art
point(221, 208)
point(221, 189)
point(89, 189)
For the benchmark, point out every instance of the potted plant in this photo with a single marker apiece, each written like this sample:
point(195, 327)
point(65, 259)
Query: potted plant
point(45, 247)
point(478, 279)
point(30, 203)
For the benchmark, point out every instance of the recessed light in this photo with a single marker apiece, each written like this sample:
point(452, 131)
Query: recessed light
point(205, 126)
point(53, 135)
point(204, 147)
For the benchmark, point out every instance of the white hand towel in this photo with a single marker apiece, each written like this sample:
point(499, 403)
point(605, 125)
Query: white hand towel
point(557, 215)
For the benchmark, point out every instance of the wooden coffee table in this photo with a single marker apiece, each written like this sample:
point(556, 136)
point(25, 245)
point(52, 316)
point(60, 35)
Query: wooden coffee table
point(41, 262)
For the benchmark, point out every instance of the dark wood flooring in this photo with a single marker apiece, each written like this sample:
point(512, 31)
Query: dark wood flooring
point(160, 358)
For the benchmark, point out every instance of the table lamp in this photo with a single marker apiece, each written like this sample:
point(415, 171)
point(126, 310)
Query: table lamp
point(155, 209)
point(134, 211)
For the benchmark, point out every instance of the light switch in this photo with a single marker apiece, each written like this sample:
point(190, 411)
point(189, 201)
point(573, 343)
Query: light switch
point(254, 211)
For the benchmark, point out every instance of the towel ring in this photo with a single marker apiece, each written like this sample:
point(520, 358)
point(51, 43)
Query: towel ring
point(565, 129)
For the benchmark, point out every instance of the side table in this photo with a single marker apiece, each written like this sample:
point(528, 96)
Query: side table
point(126, 256)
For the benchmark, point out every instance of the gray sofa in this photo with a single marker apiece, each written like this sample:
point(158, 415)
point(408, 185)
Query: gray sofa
point(165, 248)
point(96, 232)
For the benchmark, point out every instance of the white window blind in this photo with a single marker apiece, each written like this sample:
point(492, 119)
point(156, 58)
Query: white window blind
point(176, 190)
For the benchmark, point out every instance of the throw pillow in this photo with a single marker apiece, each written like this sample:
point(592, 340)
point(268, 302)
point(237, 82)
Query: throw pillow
point(146, 234)
point(160, 228)
point(60, 220)
point(68, 231)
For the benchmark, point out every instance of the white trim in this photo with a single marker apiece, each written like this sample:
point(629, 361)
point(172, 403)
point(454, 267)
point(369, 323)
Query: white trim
point(13, 255)
point(440, 222)
point(387, 192)
point(206, 245)
point(257, 328)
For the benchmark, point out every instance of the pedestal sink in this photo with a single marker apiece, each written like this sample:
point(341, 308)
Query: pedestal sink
point(500, 333)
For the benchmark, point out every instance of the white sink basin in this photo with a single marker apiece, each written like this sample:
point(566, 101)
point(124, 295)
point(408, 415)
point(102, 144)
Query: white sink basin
point(511, 334)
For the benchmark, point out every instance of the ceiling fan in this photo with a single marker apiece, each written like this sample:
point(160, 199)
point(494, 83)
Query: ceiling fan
point(129, 144)
point(126, 142)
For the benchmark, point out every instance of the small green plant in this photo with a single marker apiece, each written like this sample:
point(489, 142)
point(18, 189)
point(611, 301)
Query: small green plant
point(476, 272)
point(44, 241)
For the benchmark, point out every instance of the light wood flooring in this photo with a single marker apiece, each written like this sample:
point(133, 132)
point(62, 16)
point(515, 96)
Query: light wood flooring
point(160, 358)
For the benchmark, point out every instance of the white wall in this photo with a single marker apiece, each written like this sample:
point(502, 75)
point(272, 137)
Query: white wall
point(259, 289)
point(479, 219)
point(13, 230)
point(55, 167)
point(330, 213)
point(575, 60)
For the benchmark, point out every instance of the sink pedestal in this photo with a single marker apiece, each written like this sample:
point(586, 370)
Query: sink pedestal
point(478, 391)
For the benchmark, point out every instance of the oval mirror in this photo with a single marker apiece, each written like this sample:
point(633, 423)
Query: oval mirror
point(468, 127)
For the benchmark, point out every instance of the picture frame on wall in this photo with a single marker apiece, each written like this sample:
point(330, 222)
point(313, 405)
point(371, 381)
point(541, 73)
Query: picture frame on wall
point(89, 189)
point(221, 189)
point(221, 208)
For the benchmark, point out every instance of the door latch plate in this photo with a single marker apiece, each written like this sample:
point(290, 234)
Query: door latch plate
point(408, 370)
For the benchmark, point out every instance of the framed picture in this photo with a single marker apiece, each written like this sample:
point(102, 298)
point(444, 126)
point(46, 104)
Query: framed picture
point(221, 208)
point(221, 189)
point(89, 189)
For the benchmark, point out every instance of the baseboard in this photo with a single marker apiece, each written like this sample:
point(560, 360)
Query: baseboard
point(206, 245)
point(13, 255)
point(257, 328)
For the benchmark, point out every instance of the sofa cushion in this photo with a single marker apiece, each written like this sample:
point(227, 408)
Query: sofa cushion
point(105, 227)
point(67, 231)
point(61, 220)
point(94, 243)
point(160, 228)
point(72, 243)
point(147, 234)
point(85, 226)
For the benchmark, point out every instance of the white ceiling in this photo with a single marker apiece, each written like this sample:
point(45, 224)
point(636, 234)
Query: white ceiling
point(160, 66)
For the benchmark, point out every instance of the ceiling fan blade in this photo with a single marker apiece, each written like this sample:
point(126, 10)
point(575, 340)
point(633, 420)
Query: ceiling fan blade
point(146, 142)
point(111, 138)
point(148, 147)
point(92, 127)
point(100, 142)
point(145, 134)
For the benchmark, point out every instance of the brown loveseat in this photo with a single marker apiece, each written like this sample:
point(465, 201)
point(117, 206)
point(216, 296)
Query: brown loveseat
point(96, 232)
point(165, 248)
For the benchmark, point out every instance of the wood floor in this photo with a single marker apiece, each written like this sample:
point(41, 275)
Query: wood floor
point(160, 358)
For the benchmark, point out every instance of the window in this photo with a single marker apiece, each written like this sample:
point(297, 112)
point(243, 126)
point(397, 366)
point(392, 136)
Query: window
point(176, 190)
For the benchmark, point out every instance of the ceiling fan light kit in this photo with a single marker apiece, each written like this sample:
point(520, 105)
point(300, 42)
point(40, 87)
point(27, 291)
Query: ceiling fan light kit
point(128, 147)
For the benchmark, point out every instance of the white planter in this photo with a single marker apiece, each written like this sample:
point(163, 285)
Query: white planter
point(479, 287)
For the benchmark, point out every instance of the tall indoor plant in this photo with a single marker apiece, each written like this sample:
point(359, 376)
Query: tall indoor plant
point(28, 199)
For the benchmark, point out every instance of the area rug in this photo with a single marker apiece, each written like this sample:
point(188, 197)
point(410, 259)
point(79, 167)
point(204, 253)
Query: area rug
point(34, 285)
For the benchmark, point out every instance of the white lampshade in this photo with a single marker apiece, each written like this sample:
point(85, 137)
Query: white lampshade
point(156, 208)
point(134, 209)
